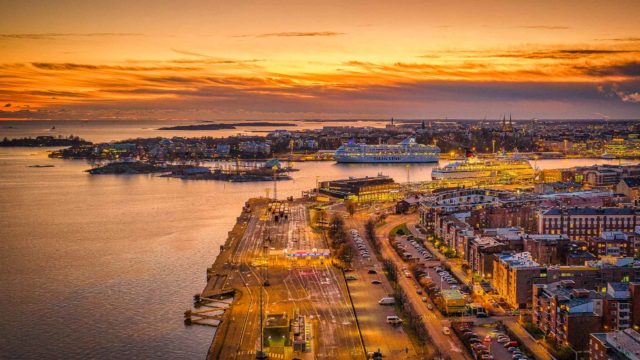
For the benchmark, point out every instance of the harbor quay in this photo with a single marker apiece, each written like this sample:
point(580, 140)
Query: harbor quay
point(277, 291)
point(281, 294)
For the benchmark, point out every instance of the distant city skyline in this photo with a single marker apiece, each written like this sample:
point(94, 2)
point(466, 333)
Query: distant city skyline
point(197, 60)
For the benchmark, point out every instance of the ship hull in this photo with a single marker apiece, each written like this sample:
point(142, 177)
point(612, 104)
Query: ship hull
point(397, 159)
point(436, 175)
point(520, 173)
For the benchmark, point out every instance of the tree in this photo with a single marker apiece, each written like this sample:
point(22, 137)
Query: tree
point(351, 207)
point(337, 233)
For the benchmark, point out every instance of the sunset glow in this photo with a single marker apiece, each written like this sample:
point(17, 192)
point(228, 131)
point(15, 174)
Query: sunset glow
point(252, 59)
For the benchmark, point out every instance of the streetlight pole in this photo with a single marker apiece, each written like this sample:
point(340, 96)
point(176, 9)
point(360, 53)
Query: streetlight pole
point(260, 353)
point(275, 181)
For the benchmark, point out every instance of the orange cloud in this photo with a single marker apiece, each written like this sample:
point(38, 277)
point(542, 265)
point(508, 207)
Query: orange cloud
point(294, 34)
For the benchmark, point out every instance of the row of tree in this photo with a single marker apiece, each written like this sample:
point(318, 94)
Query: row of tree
point(337, 234)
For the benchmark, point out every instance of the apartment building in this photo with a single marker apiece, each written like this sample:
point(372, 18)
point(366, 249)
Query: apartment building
point(567, 314)
point(547, 249)
point(616, 345)
point(514, 276)
point(614, 243)
point(480, 255)
point(585, 223)
point(512, 215)
point(621, 303)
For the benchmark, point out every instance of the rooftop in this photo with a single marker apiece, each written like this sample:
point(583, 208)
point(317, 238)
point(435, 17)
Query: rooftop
point(632, 181)
point(519, 260)
point(449, 295)
point(546, 237)
point(626, 342)
point(576, 211)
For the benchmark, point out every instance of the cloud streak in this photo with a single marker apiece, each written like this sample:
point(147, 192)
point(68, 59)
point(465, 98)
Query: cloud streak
point(622, 39)
point(543, 27)
point(295, 34)
point(53, 36)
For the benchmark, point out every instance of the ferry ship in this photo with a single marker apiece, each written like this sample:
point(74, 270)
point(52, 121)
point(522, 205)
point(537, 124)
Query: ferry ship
point(472, 167)
point(408, 151)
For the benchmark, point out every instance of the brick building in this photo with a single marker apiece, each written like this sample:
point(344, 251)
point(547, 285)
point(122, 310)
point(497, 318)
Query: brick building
point(566, 314)
point(613, 243)
point(523, 216)
point(584, 223)
point(547, 249)
point(616, 345)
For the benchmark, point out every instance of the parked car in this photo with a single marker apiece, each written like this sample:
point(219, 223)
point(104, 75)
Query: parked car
point(394, 320)
point(446, 330)
point(387, 301)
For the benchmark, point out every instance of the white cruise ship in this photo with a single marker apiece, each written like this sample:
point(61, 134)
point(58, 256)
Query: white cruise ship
point(408, 151)
point(472, 167)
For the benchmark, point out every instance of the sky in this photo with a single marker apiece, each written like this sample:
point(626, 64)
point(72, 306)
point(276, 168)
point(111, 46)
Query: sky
point(207, 60)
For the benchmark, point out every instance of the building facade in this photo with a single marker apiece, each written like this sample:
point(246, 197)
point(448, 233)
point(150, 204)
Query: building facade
point(585, 223)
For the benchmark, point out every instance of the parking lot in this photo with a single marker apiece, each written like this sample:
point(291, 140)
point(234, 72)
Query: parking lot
point(412, 250)
point(489, 343)
point(361, 246)
point(440, 279)
point(497, 350)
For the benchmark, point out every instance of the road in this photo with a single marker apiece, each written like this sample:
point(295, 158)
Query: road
point(446, 344)
point(392, 341)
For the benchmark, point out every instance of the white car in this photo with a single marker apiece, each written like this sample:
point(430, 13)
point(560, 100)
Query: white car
point(394, 320)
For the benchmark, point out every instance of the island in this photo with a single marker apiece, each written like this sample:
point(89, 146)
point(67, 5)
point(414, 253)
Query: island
point(194, 172)
point(209, 126)
point(134, 168)
point(43, 141)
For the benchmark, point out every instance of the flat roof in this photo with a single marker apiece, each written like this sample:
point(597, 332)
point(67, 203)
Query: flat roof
point(452, 295)
point(592, 211)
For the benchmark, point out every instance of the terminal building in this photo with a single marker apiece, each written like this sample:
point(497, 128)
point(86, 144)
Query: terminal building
point(366, 189)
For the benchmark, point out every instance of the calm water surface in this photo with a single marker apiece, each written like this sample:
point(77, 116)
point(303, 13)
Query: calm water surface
point(105, 131)
point(104, 266)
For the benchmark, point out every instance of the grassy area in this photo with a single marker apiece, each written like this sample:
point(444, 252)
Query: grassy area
point(558, 352)
point(533, 330)
point(400, 230)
